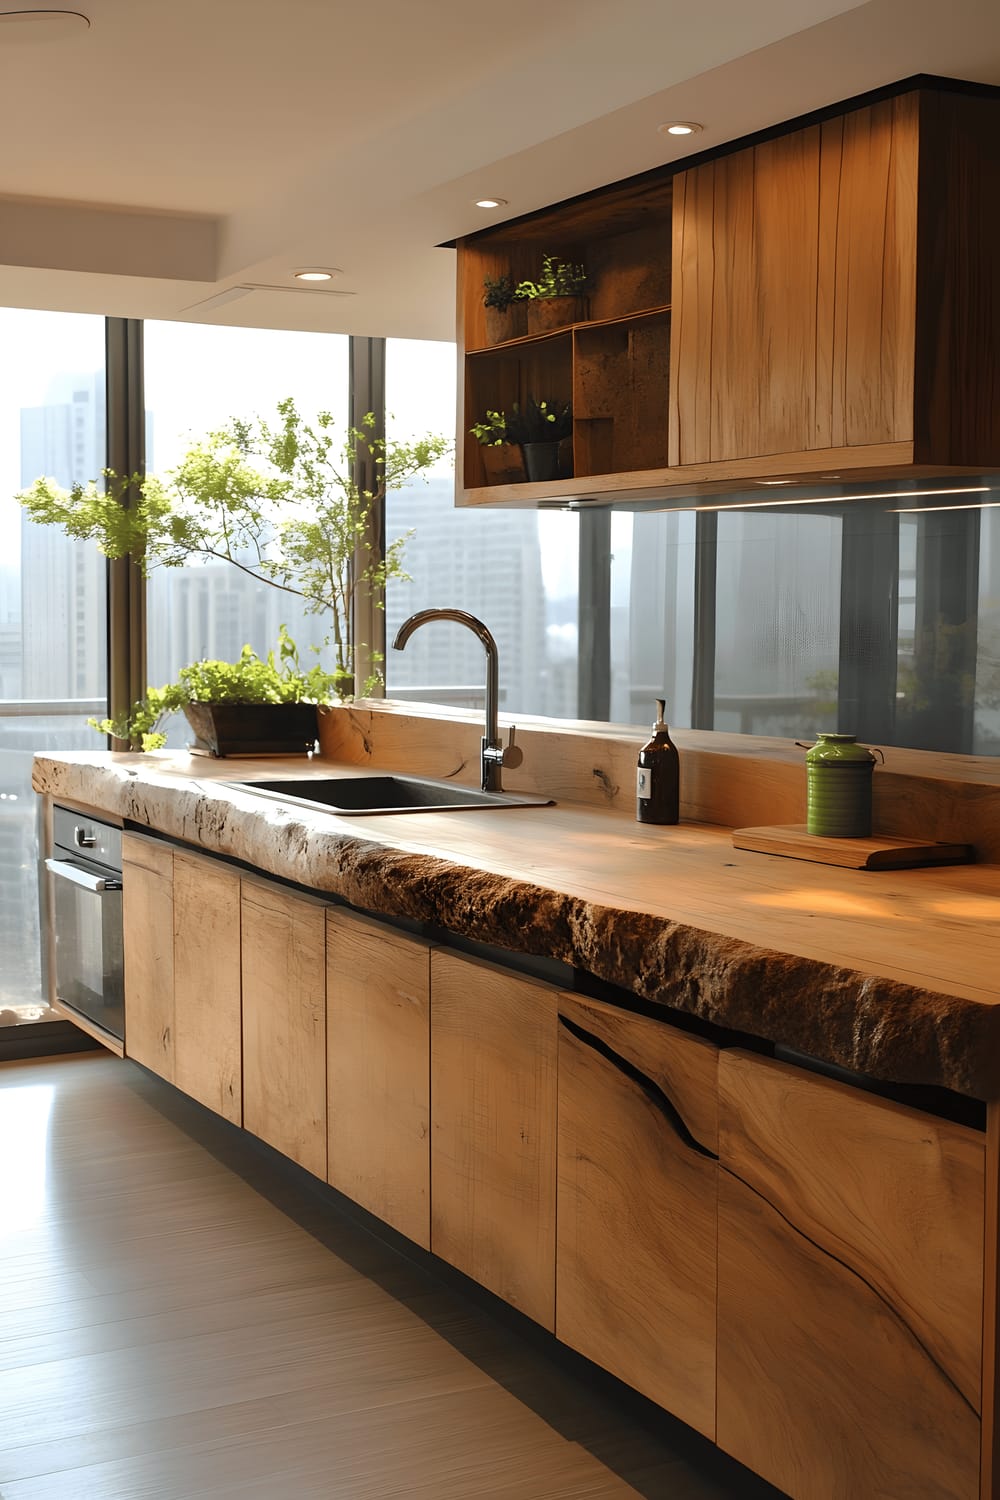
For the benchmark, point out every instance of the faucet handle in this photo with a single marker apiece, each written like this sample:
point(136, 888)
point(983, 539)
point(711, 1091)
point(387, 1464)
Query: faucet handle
point(513, 755)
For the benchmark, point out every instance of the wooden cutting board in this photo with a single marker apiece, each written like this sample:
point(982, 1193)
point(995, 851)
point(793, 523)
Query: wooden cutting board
point(879, 852)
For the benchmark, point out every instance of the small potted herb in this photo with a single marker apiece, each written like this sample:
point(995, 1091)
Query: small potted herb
point(557, 297)
point(247, 707)
point(544, 430)
point(503, 459)
point(505, 317)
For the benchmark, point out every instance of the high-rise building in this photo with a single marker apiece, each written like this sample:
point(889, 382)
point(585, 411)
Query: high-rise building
point(62, 580)
point(490, 564)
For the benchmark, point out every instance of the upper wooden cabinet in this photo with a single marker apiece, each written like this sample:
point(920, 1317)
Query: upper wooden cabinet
point(833, 291)
point(833, 312)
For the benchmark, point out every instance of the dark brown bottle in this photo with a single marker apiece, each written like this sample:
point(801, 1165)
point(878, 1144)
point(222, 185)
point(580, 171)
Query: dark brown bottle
point(657, 777)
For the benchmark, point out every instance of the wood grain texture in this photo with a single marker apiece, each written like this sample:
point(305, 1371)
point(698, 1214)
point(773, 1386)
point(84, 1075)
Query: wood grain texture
point(636, 1245)
point(620, 377)
point(990, 1449)
point(493, 1129)
point(284, 1022)
point(850, 1288)
point(878, 852)
point(378, 1070)
point(794, 292)
point(989, 1472)
point(957, 396)
point(148, 940)
point(208, 1049)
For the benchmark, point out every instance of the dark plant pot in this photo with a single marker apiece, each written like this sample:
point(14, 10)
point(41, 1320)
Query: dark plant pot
point(546, 313)
point(541, 460)
point(504, 464)
point(222, 729)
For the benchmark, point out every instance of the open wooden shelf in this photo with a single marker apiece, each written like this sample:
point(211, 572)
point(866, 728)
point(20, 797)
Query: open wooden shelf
point(552, 333)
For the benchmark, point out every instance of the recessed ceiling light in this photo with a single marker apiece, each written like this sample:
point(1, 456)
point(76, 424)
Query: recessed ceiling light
point(40, 25)
point(316, 273)
point(491, 202)
point(680, 127)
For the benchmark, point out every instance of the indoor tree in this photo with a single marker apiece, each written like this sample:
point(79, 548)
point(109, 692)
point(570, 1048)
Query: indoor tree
point(280, 499)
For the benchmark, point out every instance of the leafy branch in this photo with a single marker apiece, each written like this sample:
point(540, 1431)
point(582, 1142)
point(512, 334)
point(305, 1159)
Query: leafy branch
point(281, 500)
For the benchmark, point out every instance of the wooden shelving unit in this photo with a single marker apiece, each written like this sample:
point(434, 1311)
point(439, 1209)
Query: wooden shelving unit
point(820, 306)
point(613, 365)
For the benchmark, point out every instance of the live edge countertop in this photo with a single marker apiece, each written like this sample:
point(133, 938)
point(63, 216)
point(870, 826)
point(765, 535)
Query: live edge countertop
point(892, 974)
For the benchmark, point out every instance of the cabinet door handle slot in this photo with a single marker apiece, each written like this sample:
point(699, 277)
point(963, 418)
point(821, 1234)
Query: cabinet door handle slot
point(650, 1088)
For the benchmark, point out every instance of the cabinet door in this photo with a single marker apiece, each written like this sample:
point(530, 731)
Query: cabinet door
point(850, 1288)
point(794, 292)
point(636, 1204)
point(148, 939)
point(208, 1043)
point(284, 1022)
point(493, 1129)
point(378, 1070)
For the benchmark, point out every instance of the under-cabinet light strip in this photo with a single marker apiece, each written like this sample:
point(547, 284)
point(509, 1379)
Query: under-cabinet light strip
point(975, 489)
point(923, 510)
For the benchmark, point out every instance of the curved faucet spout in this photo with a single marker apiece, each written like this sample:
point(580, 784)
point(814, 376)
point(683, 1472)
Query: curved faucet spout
point(492, 750)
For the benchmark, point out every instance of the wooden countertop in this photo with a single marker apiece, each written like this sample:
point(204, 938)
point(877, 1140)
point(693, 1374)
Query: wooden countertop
point(889, 973)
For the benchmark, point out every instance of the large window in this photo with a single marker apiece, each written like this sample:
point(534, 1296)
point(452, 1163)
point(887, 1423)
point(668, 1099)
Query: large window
point(516, 570)
point(52, 605)
point(195, 379)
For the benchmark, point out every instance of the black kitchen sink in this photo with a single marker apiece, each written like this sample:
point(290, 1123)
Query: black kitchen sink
point(354, 796)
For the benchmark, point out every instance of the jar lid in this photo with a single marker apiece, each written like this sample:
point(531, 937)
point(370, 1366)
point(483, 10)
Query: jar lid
point(839, 749)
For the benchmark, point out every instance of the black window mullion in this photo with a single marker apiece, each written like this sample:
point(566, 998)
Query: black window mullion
point(366, 393)
point(125, 419)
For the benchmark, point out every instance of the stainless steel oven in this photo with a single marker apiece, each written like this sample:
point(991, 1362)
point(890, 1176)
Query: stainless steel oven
point(85, 904)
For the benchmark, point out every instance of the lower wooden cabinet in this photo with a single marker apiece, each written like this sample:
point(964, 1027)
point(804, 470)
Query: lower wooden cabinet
point(493, 1129)
point(148, 945)
point(284, 1021)
point(208, 1048)
point(636, 1254)
point(850, 1289)
point(182, 970)
point(378, 1070)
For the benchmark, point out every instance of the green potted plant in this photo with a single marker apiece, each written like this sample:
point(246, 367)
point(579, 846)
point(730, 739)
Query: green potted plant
point(544, 429)
point(503, 459)
point(557, 297)
point(250, 706)
point(505, 318)
point(282, 500)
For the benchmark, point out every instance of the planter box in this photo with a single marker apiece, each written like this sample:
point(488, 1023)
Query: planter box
point(512, 324)
point(222, 729)
point(504, 464)
point(546, 313)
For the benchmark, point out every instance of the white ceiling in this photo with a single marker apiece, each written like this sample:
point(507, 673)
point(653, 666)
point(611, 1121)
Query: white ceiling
point(179, 148)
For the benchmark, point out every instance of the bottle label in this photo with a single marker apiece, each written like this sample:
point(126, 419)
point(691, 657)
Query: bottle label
point(643, 783)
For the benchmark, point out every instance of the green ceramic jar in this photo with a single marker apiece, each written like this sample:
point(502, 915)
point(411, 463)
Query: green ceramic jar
point(839, 787)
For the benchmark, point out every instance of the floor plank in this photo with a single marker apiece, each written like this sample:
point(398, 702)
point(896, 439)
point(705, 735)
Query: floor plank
point(180, 1320)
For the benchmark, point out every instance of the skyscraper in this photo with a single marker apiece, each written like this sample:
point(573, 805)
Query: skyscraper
point(62, 580)
point(489, 563)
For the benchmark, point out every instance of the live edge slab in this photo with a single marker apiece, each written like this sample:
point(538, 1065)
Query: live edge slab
point(888, 974)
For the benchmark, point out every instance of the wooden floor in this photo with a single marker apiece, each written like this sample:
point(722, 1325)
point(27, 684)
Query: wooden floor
point(179, 1320)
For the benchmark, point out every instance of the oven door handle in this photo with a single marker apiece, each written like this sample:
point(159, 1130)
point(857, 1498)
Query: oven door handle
point(90, 882)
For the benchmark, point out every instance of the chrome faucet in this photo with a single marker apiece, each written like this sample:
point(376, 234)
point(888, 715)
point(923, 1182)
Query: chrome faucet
point(493, 754)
